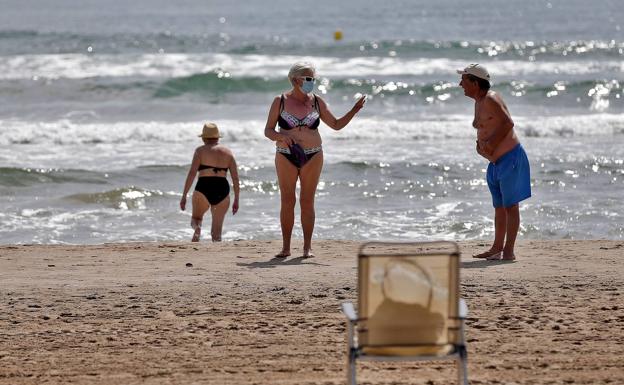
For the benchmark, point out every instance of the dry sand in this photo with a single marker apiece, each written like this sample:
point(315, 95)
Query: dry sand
point(137, 314)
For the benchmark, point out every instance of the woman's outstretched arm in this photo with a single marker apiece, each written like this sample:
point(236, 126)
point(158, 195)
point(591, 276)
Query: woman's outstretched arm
point(338, 123)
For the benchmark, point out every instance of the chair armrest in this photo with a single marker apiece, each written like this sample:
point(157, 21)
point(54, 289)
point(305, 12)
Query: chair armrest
point(463, 309)
point(349, 311)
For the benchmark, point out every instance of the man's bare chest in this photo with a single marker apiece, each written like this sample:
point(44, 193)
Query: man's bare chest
point(482, 117)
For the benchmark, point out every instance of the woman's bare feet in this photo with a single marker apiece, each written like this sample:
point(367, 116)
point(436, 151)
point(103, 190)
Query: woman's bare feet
point(308, 254)
point(196, 226)
point(196, 234)
point(487, 254)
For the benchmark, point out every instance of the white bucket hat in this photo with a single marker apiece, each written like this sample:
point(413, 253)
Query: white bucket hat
point(476, 70)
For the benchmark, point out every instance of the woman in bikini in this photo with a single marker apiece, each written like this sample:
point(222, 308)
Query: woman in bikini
point(299, 155)
point(212, 191)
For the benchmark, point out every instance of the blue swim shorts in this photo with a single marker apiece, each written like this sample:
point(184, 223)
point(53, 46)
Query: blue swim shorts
point(509, 179)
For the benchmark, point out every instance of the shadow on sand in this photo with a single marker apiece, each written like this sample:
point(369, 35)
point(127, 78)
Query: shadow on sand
point(279, 261)
point(482, 263)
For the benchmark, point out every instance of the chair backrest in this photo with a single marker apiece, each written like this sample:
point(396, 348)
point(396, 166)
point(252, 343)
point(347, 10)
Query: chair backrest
point(408, 294)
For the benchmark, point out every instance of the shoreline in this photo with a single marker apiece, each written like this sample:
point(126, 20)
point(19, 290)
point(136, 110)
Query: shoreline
point(138, 313)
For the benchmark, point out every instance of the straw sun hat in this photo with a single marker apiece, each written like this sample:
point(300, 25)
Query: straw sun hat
point(210, 131)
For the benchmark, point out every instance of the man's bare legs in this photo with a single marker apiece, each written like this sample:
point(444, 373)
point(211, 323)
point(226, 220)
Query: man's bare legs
point(287, 175)
point(506, 225)
point(309, 178)
point(500, 225)
point(513, 224)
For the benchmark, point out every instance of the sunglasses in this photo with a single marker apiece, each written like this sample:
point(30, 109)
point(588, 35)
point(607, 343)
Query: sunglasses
point(308, 78)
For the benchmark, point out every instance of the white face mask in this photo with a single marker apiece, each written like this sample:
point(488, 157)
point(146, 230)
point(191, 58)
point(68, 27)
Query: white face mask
point(308, 85)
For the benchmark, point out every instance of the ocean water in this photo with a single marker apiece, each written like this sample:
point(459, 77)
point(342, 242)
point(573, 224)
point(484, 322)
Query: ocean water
point(101, 102)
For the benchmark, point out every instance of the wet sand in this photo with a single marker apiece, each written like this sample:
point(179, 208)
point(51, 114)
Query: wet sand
point(164, 313)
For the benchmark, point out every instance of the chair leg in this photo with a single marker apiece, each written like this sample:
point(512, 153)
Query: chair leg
point(462, 367)
point(351, 355)
point(351, 380)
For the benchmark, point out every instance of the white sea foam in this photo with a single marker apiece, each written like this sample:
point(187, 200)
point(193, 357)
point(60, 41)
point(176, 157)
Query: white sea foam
point(67, 132)
point(66, 144)
point(79, 66)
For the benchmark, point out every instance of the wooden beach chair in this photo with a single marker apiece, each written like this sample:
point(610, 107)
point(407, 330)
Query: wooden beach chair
point(409, 306)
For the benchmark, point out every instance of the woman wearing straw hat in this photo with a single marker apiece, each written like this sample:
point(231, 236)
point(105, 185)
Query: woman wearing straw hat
point(212, 191)
point(299, 155)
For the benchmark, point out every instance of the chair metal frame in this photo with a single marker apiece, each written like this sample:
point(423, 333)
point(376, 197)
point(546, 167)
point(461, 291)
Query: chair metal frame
point(355, 351)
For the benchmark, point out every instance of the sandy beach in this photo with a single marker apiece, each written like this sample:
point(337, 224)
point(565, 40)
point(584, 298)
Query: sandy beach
point(156, 313)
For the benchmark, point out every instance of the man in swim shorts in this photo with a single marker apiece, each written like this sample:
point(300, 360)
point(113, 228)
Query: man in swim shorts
point(508, 173)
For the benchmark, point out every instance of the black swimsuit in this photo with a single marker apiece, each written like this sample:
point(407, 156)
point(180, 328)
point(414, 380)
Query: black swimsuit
point(297, 155)
point(215, 169)
point(214, 188)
